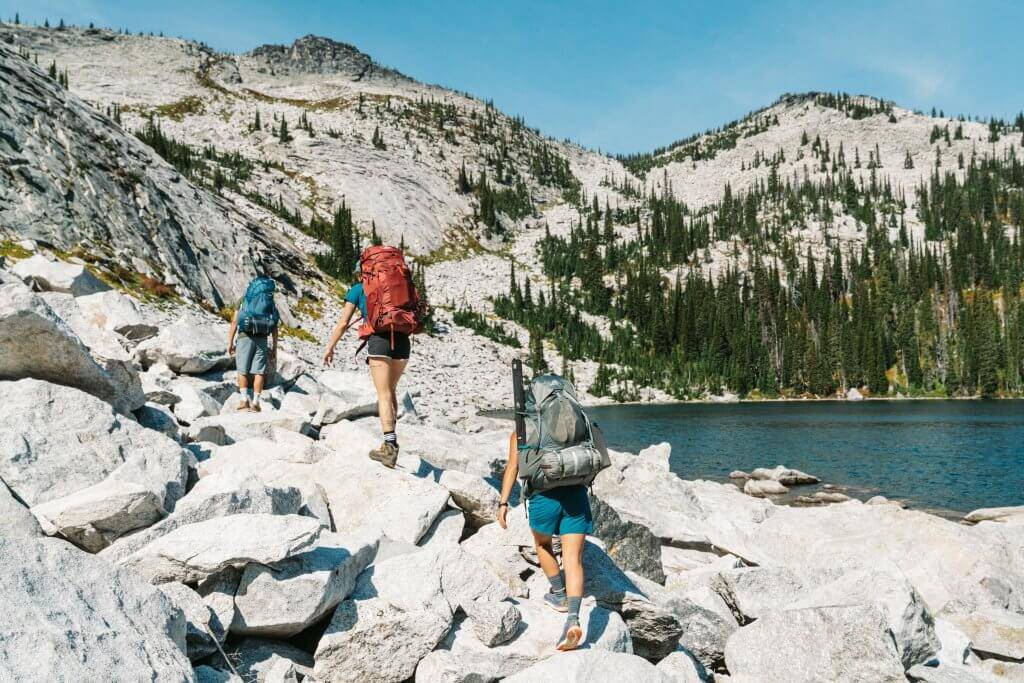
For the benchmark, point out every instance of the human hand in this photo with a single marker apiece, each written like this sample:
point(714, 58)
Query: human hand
point(231, 348)
point(328, 357)
point(503, 516)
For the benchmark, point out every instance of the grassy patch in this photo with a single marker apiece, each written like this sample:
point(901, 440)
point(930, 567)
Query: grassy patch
point(177, 111)
point(141, 286)
point(297, 333)
point(310, 308)
point(11, 249)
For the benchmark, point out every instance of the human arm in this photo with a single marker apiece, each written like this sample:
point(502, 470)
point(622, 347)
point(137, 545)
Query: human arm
point(508, 481)
point(232, 329)
point(346, 315)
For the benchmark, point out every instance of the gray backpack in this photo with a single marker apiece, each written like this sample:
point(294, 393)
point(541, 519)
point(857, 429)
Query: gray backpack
point(563, 447)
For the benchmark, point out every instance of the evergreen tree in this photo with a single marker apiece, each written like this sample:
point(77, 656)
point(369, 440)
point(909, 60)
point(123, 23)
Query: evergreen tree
point(538, 364)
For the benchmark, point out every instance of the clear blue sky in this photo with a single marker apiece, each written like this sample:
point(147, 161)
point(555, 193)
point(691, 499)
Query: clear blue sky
point(629, 76)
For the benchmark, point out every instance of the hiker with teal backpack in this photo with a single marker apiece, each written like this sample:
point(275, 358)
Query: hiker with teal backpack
point(255, 320)
point(555, 452)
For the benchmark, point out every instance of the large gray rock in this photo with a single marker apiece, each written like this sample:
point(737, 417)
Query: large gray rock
point(631, 545)
point(501, 549)
point(477, 499)
point(682, 667)
point(364, 495)
point(349, 395)
point(839, 644)
point(55, 441)
point(209, 674)
point(45, 275)
point(187, 348)
point(691, 514)
point(908, 617)
point(764, 487)
point(395, 616)
point(255, 657)
point(592, 666)
point(994, 633)
point(927, 549)
point(15, 519)
point(193, 552)
point(204, 629)
point(945, 673)
point(654, 630)
point(1000, 514)
point(159, 418)
point(192, 401)
point(493, 623)
point(752, 591)
point(68, 616)
point(233, 427)
point(282, 601)
point(36, 342)
point(94, 517)
point(118, 313)
point(705, 624)
point(218, 593)
point(784, 475)
point(445, 531)
point(218, 495)
point(462, 656)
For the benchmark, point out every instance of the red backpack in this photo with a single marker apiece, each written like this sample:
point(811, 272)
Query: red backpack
point(392, 302)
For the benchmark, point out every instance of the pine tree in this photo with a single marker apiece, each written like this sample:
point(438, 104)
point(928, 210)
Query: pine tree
point(52, 71)
point(908, 161)
point(283, 135)
point(463, 184)
point(538, 364)
point(378, 139)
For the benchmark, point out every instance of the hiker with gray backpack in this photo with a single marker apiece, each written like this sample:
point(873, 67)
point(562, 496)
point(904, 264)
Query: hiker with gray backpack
point(555, 452)
point(254, 321)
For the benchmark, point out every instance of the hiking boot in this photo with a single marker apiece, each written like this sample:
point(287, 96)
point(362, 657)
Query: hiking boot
point(572, 634)
point(556, 601)
point(255, 407)
point(386, 455)
point(243, 405)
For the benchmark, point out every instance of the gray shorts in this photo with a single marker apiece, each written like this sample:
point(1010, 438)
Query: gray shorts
point(251, 355)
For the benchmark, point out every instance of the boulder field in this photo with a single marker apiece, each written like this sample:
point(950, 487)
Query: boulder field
point(148, 531)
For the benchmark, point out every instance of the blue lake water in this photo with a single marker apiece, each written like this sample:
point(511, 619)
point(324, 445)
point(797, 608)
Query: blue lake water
point(940, 455)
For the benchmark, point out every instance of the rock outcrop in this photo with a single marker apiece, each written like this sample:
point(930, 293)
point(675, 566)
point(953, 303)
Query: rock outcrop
point(69, 616)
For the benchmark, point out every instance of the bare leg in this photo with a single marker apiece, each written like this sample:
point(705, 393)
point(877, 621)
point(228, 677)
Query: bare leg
point(546, 554)
point(397, 368)
point(380, 371)
point(572, 561)
point(243, 385)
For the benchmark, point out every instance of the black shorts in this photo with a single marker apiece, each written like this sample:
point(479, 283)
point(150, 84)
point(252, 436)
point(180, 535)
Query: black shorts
point(379, 346)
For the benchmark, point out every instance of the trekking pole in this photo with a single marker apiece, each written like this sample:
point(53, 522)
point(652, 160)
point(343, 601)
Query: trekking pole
point(519, 402)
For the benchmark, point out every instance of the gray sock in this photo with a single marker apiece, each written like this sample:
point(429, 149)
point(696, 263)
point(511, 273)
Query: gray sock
point(557, 584)
point(573, 603)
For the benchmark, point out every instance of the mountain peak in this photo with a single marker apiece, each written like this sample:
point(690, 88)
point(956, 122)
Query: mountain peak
point(313, 54)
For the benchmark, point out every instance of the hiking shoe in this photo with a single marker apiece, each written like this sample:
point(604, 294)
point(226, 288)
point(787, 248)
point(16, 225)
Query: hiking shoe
point(243, 405)
point(556, 601)
point(255, 407)
point(572, 634)
point(386, 455)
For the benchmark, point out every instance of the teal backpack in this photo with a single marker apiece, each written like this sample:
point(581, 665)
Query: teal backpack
point(258, 315)
point(562, 447)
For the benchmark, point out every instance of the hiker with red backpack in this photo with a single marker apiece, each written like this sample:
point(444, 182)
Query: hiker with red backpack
point(391, 311)
point(255, 319)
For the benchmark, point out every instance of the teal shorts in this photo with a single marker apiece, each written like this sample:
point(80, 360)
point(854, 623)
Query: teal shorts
point(560, 511)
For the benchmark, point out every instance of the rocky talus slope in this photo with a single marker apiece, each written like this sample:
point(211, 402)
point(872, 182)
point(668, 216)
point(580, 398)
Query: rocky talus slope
point(78, 182)
point(151, 531)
